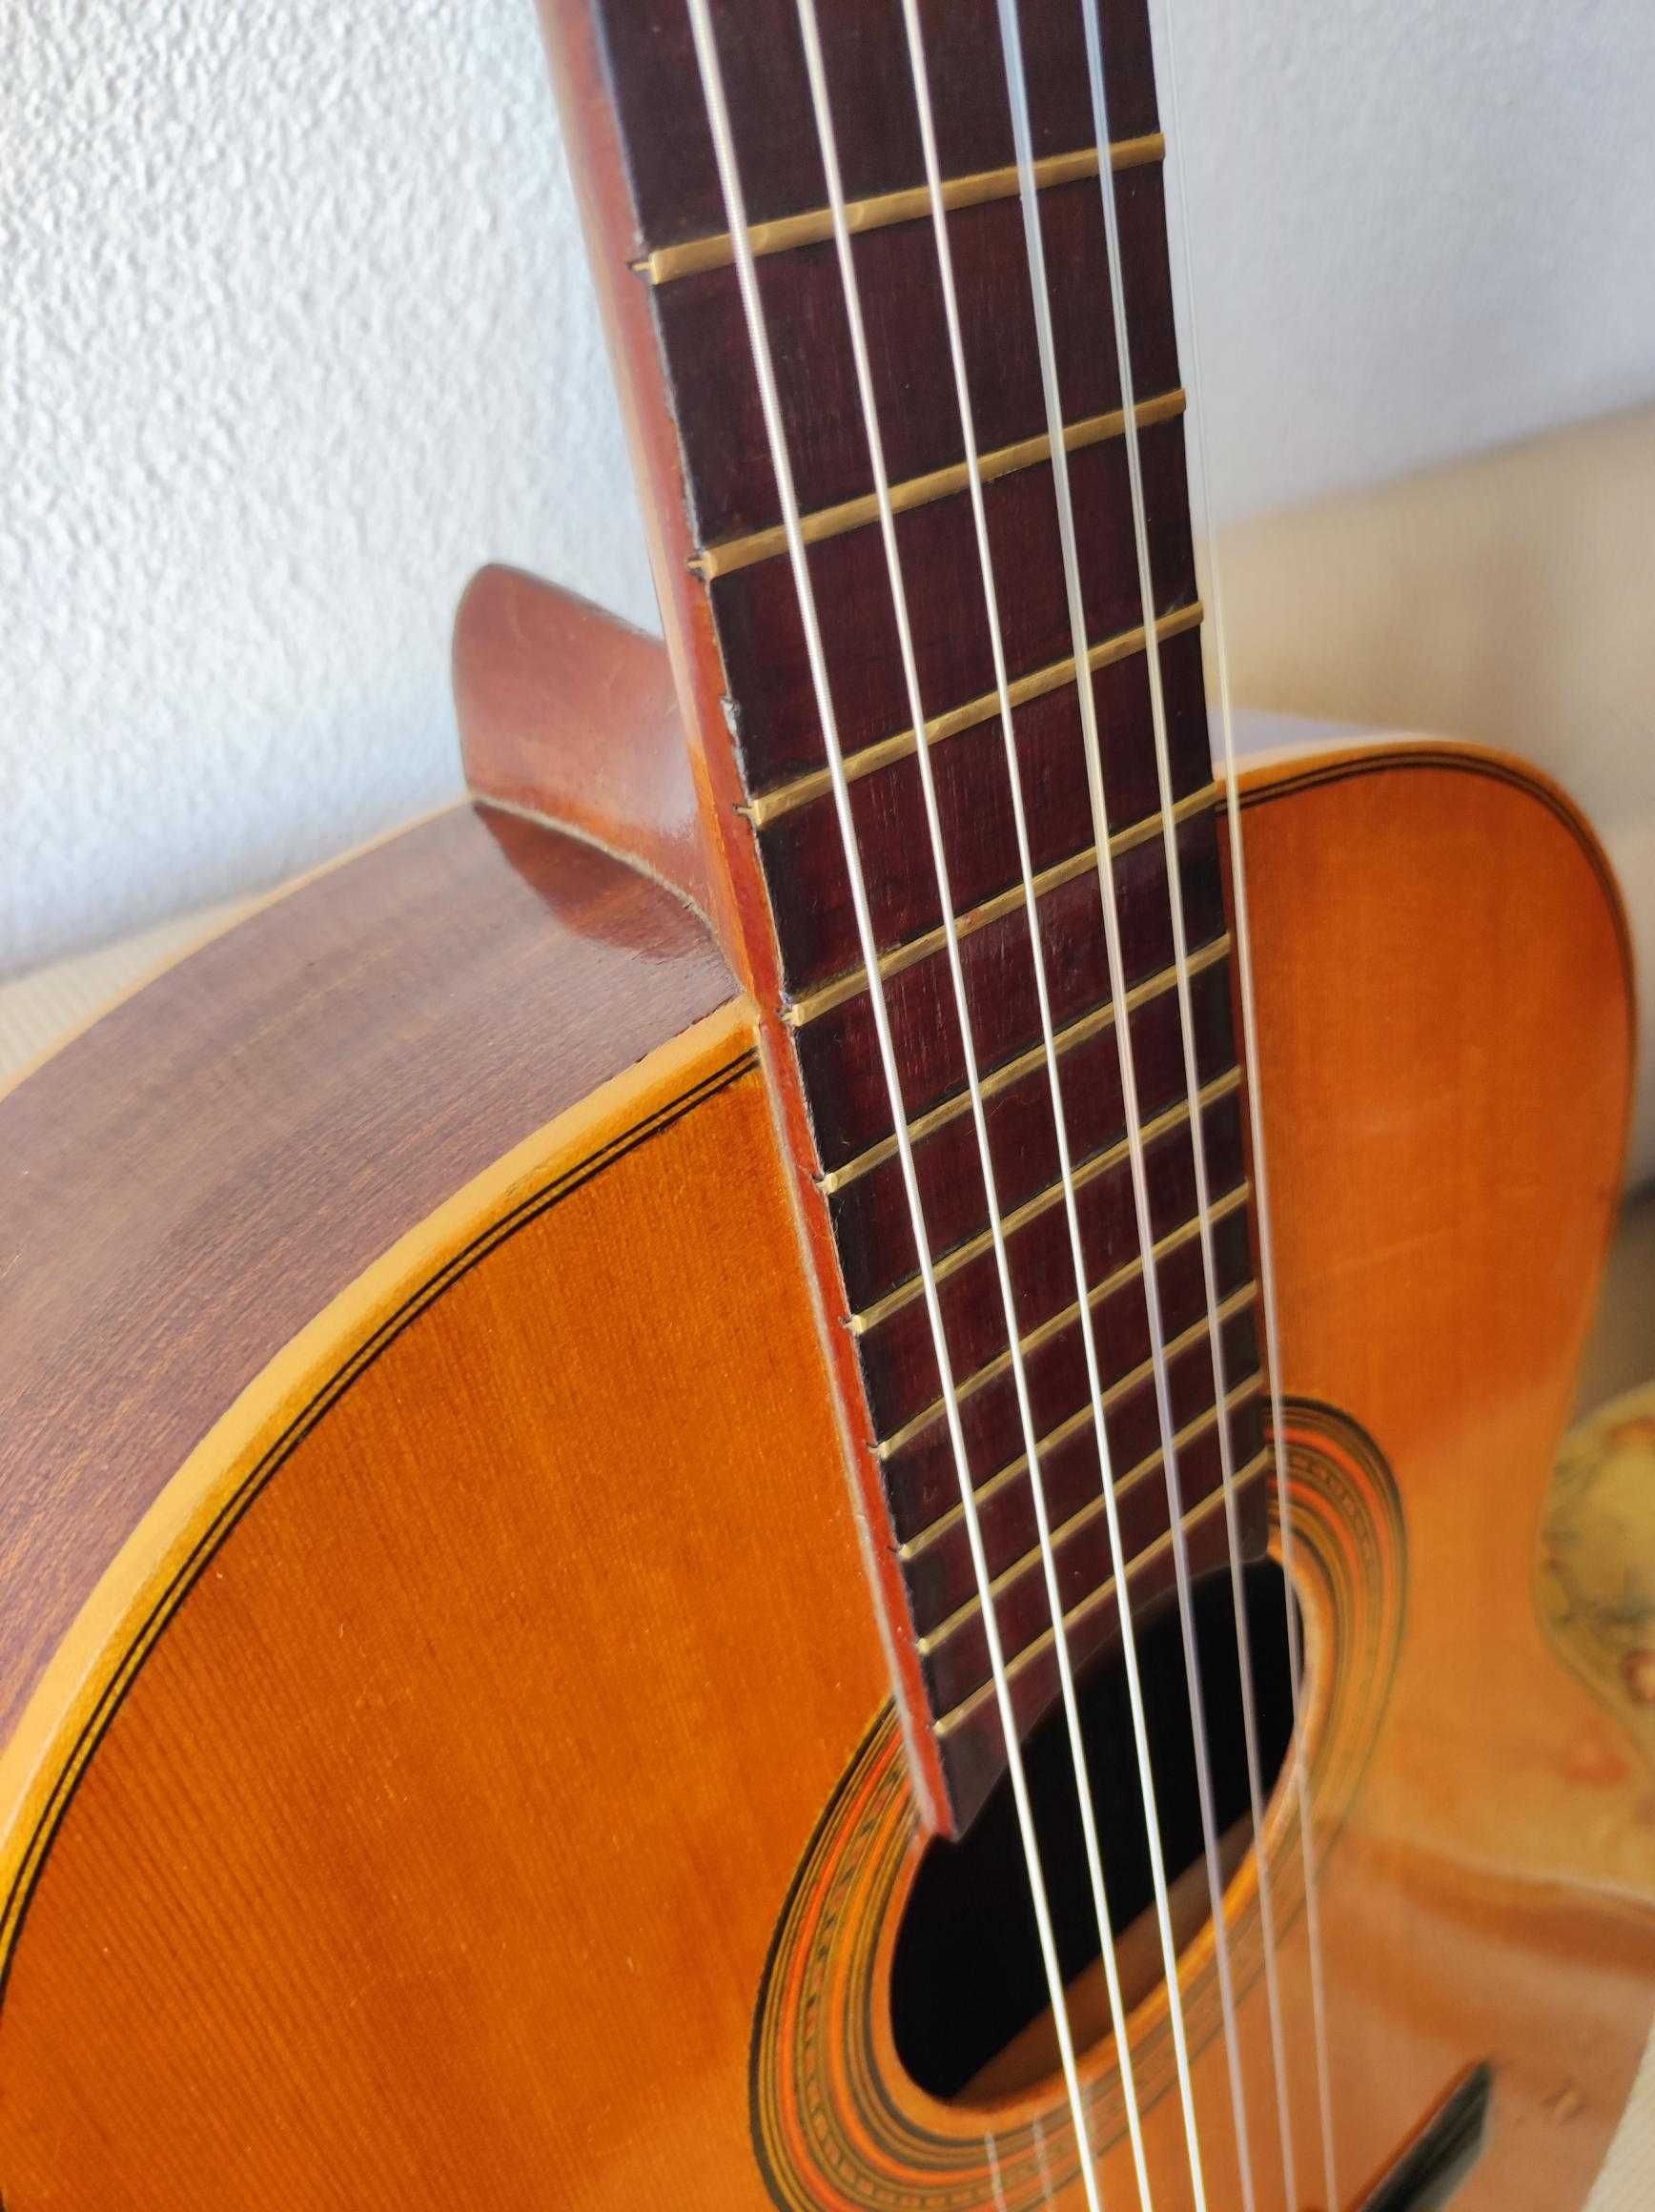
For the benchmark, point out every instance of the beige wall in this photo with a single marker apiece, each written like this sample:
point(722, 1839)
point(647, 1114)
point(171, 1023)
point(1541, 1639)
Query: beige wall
point(1509, 599)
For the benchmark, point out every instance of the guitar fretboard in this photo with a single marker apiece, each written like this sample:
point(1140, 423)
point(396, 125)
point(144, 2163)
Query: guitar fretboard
point(786, 837)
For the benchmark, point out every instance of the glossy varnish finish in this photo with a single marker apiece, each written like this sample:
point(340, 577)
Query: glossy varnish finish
point(735, 621)
point(1446, 1084)
point(569, 713)
point(241, 1127)
point(444, 1629)
point(437, 1845)
point(515, 638)
point(490, 1535)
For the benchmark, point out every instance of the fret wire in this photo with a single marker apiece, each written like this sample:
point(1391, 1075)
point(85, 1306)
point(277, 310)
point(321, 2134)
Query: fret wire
point(1088, 1172)
point(1070, 1427)
point(1082, 2119)
point(1039, 1338)
point(741, 246)
point(727, 556)
point(810, 1005)
point(1034, 245)
point(1078, 1032)
point(752, 305)
point(1116, 287)
point(775, 435)
point(957, 1715)
point(1205, 535)
point(814, 227)
point(1055, 1438)
point(816, 783)
point(935, 1530)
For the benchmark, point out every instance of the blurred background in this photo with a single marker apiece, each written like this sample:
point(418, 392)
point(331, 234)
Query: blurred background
point(298, 333)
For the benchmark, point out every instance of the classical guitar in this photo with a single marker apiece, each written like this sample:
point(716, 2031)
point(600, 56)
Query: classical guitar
point(800, 1463)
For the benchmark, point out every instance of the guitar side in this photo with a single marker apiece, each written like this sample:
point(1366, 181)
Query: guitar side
point(1446, 1003)
point(414, 1732)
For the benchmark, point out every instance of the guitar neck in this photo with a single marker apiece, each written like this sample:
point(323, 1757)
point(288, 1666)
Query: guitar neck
point(667, 273)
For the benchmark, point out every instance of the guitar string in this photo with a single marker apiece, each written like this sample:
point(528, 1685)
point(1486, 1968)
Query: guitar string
point(735, 205)
point(994, 2181)
point(1044, 2170)
point(1116, 280)
point(1206, 535)
point(1022, 134)
point(975, 482)
point(817, 77)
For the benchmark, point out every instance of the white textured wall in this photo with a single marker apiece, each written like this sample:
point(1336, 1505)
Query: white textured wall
point(295, 332)
point(1421, 227)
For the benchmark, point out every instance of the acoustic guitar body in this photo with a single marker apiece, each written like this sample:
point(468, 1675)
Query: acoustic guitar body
point(448, 1745)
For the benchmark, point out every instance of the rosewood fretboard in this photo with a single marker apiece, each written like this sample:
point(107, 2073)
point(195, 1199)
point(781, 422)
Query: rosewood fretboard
point(646, 166)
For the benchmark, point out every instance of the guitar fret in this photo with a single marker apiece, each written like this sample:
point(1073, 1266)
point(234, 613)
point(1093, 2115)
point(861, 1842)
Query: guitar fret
point(1182, 1437)
point(1192, 1430)
point(812, 1004)
point(991, 1370)
point(766, 807)
point(1197, 1517)
point(1002, 1078)
point(1100, 1163)
point(729, 554)
point(785, 232)
point(667, 227)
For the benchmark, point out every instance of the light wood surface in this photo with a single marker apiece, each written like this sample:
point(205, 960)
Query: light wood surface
point(1469, 1045)
point(186, 1184)
point(534, 1771)
point(437, 1843)
point(1505, 597)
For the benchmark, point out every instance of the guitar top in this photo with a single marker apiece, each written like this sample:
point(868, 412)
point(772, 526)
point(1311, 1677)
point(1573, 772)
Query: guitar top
point(802, 1464)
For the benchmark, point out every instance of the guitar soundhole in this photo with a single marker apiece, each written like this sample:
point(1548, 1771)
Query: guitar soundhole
point(968, 1993)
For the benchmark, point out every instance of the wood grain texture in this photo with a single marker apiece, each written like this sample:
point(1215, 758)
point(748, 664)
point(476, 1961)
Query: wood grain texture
point(1463, 1042)
point(871, 1211)
point(567, 712)
point(437, 1846)
point(762, 634)
point(898, 1358)
point(189, 1182)
point(750, 696)
point(838, 1048)
point(513, 638)
point(701, 320)
point(675, 179)
point(574, 1428)
point(804, 864)
point(611, 219)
